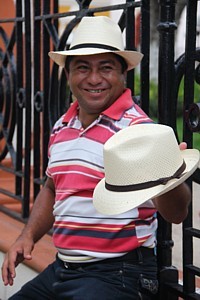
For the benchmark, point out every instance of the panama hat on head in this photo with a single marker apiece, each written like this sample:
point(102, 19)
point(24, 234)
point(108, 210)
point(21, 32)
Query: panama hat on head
point(96, 35)
point(141, 162)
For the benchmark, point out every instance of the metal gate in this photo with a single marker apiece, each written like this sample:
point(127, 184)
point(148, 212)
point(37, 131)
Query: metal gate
point(33, 94)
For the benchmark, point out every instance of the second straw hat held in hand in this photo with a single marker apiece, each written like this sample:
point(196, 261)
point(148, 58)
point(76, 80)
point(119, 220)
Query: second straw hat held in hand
point(96, 35)
point(141, 162)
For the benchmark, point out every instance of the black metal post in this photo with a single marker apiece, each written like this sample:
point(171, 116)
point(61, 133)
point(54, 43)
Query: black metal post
point(166, 98)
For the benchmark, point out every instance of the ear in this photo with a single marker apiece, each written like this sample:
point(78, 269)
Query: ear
point(125, 77)
point(125, 73)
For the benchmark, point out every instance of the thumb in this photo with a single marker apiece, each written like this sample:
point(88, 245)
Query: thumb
point(27, 252)
point(183, 146)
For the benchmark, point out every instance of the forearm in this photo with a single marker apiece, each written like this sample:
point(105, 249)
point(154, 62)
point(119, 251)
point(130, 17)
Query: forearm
point(41, 218)
point(39, 223)
point(173, 206)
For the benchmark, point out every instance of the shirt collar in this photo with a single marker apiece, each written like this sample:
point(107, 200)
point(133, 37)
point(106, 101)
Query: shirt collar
point(115, 111)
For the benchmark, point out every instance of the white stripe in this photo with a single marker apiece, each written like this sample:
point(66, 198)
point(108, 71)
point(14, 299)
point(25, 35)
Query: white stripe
point(75, 172)
point(88, 212)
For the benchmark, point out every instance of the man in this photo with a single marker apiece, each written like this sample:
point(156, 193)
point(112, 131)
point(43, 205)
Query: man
point(99, 257)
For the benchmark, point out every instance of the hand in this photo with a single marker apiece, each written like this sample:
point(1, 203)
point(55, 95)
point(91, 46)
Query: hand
point(173, 205)
point(19, 251)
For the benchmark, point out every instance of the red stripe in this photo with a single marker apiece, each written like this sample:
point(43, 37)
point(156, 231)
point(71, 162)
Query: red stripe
point(145, 212)
point(94, 244)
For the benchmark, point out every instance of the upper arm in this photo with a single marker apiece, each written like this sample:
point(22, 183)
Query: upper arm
point(49, 184)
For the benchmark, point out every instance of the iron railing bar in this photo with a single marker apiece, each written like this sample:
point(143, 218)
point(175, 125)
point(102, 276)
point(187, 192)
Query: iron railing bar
point(193, 232)
point(193, 296)
point(145, 49)
point(12, 214)
point(19, 85)
point(37, 139)
point(28, 112)
point(52, 32)
point(12, 20)
point(9, 145)
point(9, 56)
point(11, 41)
point(130, 42)
point(166, 74)
point(193, 269)
point(10, 194)
point(190, 56)
point(6, 169)
point(46, 47)
point(90, 10)
point(39, 181)
point(196, 176)
point(177, 289)
point(12, 171)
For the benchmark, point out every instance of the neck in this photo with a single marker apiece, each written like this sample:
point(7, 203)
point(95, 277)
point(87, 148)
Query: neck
point(87, 120)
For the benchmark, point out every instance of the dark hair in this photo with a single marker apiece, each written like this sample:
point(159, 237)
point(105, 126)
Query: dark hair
point(122, 62)
point(118, 57)
point(67, 62)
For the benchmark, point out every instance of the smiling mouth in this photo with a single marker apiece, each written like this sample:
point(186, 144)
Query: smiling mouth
point(95, 91)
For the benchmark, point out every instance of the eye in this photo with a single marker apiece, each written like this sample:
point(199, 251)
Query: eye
point(82, 68)
point(107, 68)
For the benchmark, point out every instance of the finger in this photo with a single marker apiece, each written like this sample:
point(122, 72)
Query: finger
point(10, 279)
point(12, 261)
point(6, 276)
point(11, 271)
point(183, 146)
point(27, 252)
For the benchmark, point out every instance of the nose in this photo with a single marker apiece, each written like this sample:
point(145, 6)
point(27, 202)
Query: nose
point(94, 76)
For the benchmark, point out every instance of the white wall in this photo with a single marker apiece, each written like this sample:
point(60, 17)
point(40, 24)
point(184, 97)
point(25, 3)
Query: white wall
point(24, 274)
point(181, 32)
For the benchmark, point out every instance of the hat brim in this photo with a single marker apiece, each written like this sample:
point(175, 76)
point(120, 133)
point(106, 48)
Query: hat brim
point(112, 203)
point(132, 58)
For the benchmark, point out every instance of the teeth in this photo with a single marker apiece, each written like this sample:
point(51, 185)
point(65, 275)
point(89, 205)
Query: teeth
point(95, 91)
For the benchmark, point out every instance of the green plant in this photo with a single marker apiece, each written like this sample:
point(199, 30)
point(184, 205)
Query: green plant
point(153, 106)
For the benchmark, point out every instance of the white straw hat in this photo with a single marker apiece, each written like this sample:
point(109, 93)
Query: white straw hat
point(141, 162)
point(95, 35)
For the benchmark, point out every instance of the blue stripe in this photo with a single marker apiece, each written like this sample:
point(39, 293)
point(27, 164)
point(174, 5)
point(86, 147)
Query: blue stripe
point(96, 234)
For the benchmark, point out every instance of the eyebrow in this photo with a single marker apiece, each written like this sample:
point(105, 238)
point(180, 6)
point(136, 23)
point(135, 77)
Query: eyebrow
point(106, 61)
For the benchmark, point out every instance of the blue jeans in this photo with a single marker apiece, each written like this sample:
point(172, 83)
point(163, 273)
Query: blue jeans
point(117, 280)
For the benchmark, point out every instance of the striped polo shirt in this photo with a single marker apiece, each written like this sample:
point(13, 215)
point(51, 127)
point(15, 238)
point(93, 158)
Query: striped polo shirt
point(80, 233)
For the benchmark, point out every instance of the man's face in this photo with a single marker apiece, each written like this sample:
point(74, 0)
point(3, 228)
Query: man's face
point(96, 81)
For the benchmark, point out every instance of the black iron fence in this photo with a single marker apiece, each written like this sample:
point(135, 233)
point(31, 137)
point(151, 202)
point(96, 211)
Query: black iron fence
point(33, 94)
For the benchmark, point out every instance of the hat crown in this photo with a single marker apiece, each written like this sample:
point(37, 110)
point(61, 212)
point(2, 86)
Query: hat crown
point(99, 30)
point(151, 150)
point(141, 162)
point(97, 35)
